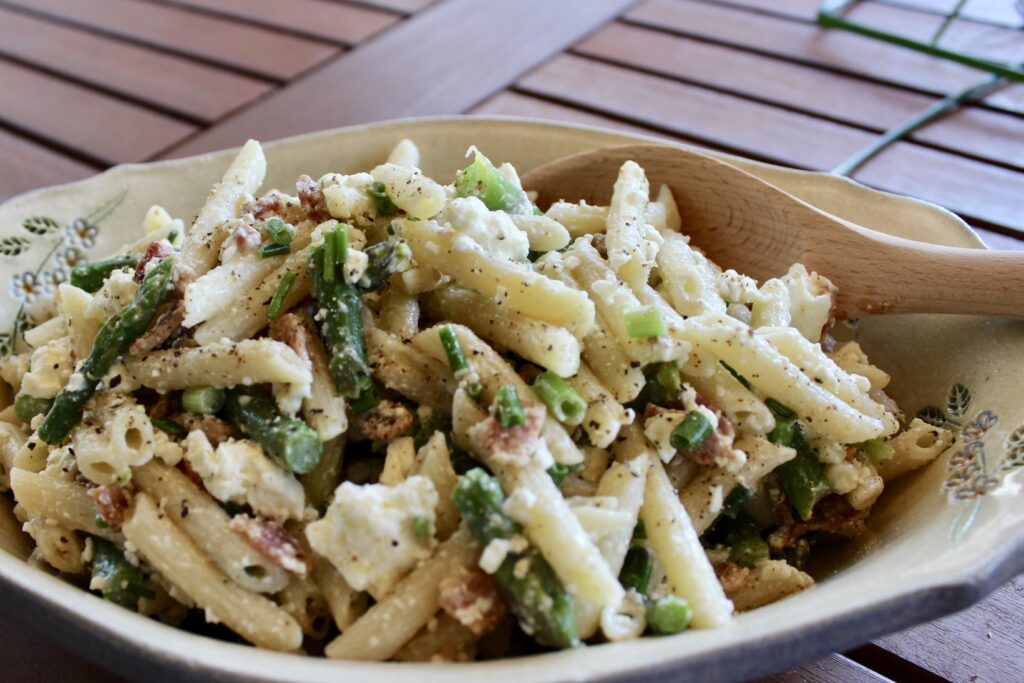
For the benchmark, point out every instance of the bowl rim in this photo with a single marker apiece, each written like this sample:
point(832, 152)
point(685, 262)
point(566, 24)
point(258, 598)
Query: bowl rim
point(43, 600)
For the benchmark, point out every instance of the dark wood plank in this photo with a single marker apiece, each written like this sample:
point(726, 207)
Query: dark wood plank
point(441, 61)
point(28, 166)
point(829, 670)
point(173, 83)
point(347, 24)
point(804, 42)
point(979, 132)
point(95, 125)
point(983, 643)
point(981, 191)
point(248, 48)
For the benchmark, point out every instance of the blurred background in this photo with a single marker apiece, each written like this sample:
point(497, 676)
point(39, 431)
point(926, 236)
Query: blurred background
point(87, 84)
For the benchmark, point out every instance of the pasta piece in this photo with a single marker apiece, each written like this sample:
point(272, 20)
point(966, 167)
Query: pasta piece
point(740, 405)
point(46, 331)
point(516, 285)
point(345, 604)
point(200, 250)
point(688, 278)
point(399, 313)
point(771, 309)
point(543, 233)
point(434, 462)
point(305, 601)
point(405, 369)
point(398, 463)
point(72, 304)
point(579, 219)
point(673, 222)
point(915, 447)
point(675, 542)
point(209, 526)
point(411, 191)
point(444, 639)
point(395, 619)
point(12, 440)
point(13, 369)
point(810, 301)
point(321, 482)
point(324, 409)
point(553, 348)
point(405, 154)
point(466, 413)
point(114, 436)
point(67, 503)
point(605, 416)
point(768, 582)
point(59, 546)
point(226, 364)
point(173, 553)
point(851, 357)
point(632, 242)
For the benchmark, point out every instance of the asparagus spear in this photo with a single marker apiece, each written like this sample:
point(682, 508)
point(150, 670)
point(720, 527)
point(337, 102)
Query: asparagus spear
point(481, 179)
point(287, 440)
point(537, 596)
point(802, 477)
point(27, 407)
point(339, 318)
point(91, 276)
point(122, 582)
point(385, 258)
point(112, 340)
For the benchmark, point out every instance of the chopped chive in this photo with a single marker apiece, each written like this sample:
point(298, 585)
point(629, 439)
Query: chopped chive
point(694, 430)
point(452, 349)
point(329, 272)
point(421, 528)
point(340, 245)
point(732, 371)
point(379, 193)
point(644, 322)
point(202, 400)
point(169, 426)
point(779, 409)
point(560, 398)
point(284, 287)
point(636, 570)
point(510, 410)
point(279, 231)
point(268, 250)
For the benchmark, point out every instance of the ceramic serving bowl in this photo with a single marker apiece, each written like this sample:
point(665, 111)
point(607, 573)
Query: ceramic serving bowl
point(940, 539)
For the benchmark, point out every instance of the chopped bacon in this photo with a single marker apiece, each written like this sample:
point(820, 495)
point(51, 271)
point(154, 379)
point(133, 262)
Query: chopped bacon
point(267, 205)
point(245, 236)
point(511, 445)
point(387, 421)
point(113, 501)
point(472, 598)
point(155, 250)
point(312, 198)
point(290, 330)
point(731, 575)
point(832, 514)
point(273, 542)
point(165, 327)
point(215, 429)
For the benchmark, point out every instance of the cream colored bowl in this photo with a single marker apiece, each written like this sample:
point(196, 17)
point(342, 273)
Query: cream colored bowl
point(941, 539)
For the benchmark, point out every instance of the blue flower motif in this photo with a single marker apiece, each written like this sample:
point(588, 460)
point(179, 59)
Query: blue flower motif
point(26, 287)
point(52, 279)
point(70, 258)
point(81, 233)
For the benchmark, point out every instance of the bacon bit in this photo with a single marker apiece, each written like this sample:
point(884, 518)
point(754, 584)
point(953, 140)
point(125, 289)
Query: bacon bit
point(245, 236)
point(273, 542)
point(717, 448)
point(312, 198)
point(267, 205)
point(731, 575)
point(165, 327)
point(161, 406)
point(155, 250)
point(113, 501)
point(511, 445)
point(215, 429)
point(472, 598)
point(290, 330)
point(832, 514)
point(387, 421)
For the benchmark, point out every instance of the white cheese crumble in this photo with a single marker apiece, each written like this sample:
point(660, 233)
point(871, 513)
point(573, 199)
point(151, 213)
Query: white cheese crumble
point(346, 197)
point(368, 535)
point(50, 366)
point(493, 231)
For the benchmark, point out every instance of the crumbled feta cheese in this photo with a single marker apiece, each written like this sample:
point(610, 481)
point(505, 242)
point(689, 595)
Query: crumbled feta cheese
point(116, 293)
point(810, 301)
point(50, 366)
point(355, 265)
point(494, 231)
point(368, 535)
point(346, 197)
point(239, 472)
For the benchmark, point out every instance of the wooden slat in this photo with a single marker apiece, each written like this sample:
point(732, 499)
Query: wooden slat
point(983, 643)
point(95, 125)
point(28, 166)
point(173, 83)
point(249, 48)
point(828, 670)
point(404, 6)
point(979, 190)
point(346, 24)
point(991, 11)
point(979, 132)
point(810, 44)
point(441, 61)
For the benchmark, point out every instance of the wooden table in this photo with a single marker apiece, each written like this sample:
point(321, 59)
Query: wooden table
point(91, 83)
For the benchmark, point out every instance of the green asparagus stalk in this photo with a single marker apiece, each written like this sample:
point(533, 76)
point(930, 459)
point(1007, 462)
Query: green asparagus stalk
point(802, 477)
point(385, 258)
point(287, 440)
point(27, 407)
point(112, 340)
point(481, 179)
point(91, 276)
point(636, 570)
point(202, 400)
point(538, 598)
point(121, 581)
point(341, 327)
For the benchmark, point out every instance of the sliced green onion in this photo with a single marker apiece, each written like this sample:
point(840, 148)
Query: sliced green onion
point(379, 193)
point(27, 407)
point(783, 432)
point(669, 379)
point(284, 287)
point(169, 426)
point(694, 430)
point(456, 360)
point(644, 322)
point(272, 249)
point(560, 398)
point(876, 449)
point(279, 231)
point(421, 528)
point(636, 570)
point(779, 409)
point(668, 615)
point(340, 245)
point(510, 410)
point(329, 272)
point(482, 180)
point(203, 400)
point(732, 371)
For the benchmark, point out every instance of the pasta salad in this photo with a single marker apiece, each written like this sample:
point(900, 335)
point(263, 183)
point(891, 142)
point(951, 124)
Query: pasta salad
point(389, 419)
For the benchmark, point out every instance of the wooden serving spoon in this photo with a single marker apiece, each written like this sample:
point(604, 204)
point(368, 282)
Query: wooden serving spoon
point(745, 223)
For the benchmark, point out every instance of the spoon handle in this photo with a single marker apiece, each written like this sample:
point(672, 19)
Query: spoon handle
point(911, 277)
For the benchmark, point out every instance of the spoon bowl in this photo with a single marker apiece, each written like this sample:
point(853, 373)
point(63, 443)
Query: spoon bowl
point(745, 223)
